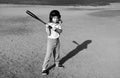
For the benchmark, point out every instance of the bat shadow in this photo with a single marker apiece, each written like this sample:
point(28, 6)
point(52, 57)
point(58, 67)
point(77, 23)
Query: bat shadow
point(72, 53)
point(75, 51)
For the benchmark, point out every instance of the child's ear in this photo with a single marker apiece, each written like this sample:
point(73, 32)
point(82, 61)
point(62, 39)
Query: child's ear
point(60, 21)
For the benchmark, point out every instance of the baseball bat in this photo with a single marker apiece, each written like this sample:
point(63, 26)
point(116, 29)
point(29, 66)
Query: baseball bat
point(34, 16)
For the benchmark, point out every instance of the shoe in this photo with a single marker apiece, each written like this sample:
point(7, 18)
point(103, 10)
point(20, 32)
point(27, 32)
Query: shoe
point(44, 72)
point(59, 65)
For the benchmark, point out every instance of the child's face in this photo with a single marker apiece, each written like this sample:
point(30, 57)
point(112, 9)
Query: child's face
point(55, 19)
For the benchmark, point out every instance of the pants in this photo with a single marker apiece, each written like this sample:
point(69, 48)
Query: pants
point(53, 47)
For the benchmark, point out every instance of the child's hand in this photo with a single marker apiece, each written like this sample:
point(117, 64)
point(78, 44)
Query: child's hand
point(49, 27)
point(58, 30)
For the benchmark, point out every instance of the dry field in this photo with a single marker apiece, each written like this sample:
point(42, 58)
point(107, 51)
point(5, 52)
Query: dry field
point(90, 42)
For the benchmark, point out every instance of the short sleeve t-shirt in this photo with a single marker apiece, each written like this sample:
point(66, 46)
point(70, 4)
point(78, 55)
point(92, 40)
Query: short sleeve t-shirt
point(53, 34)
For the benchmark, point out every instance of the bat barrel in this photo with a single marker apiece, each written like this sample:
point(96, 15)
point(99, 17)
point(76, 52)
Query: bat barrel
point(34, 16)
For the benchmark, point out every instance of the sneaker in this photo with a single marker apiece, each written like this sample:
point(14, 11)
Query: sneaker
point(59, 65)
point(44, 72)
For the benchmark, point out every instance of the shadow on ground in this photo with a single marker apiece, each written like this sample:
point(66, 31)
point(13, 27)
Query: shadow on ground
point(75, 51)
point(72, 53)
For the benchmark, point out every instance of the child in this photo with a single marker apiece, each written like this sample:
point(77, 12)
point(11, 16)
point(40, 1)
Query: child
point(53, 30)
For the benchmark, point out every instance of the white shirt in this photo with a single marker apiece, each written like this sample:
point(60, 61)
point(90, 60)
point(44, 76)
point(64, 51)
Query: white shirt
point(53, 34)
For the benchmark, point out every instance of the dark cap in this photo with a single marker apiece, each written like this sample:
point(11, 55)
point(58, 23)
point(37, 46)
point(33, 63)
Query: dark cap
point(55, 13)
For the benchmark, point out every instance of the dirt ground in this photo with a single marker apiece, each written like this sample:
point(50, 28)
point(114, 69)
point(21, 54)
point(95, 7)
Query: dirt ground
point(90, 42)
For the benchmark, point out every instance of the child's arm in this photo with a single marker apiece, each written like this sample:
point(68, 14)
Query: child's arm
point(48, 29)
point(58, 30)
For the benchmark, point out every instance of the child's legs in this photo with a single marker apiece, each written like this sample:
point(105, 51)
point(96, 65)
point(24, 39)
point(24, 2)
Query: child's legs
point(50, 47)
point(57, 52)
